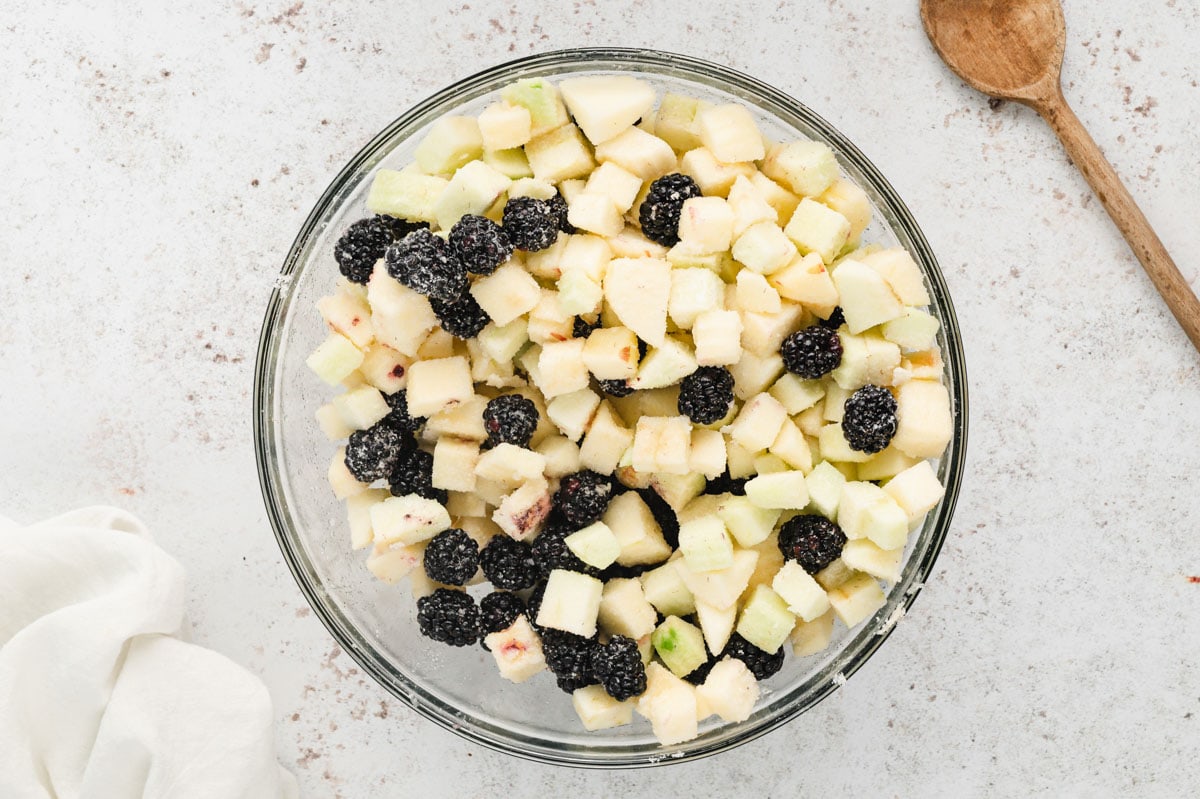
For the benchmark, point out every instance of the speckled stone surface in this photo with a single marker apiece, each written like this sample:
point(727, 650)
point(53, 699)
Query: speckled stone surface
point(156, 160)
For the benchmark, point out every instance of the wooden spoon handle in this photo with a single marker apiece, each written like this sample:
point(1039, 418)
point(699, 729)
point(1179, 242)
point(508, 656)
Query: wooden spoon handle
point(1124, 212)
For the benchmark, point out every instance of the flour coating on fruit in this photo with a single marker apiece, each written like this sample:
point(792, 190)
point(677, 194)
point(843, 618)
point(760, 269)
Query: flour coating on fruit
point(628, 400)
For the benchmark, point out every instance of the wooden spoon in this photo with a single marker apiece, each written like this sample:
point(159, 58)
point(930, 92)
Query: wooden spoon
point(1013, 49)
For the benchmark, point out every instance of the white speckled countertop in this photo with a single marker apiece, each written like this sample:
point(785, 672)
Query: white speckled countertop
point(155, 164)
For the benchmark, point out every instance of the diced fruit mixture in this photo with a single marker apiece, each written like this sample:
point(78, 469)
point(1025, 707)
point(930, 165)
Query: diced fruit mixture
point(628, 399)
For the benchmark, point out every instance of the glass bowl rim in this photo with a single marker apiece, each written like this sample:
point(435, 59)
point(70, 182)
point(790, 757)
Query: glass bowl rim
point(857, 648)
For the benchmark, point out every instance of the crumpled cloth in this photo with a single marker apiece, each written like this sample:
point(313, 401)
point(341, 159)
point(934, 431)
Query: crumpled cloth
point(100, 698)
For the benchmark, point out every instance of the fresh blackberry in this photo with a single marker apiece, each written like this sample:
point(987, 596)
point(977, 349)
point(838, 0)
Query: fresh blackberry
point(869, 419)
point(479, 243)
point(761, 664)
point(449, 616)
point(615, 388)
point(699, 674)
point(413, 474)
point(706, 394)
point(510, 419)
point(616, 571)
point(569, 656)
point(619, 668)
point(558, 206)
point(550, 552)
point(812, 541)
point(659, 214)
point(424, 263)
point(582, 328)
point(666, 518)
point(397, 227)
point(724, 484)
point(452, 557)
point(462, 318)
point(534, 604)
point(371, 454)
point(583, 497)
point(508, 563)
point(360, 247)
point(835, 320)
point(497, 611)
point(812, 352)
point(531, 224)
point(399, 418)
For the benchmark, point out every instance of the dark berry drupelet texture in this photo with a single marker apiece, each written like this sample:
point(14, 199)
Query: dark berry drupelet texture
point(361, 246)
point(615, 388)
point(534, 604)
point(699, 674)
point(812, 541)
point(510, 419)
point(570, 657)
point(371, 454)
point(550, 552)
point(399, 228)
point(424, 263)
point(531, 224)
point(835, 320)
point(452, 557)
point(508, 563)
point(724, 484)
point(497, 611)
point(659, 213)
point(449, 616)
point(812, 352)
point(666, 518)
point(706, 394)
point(761, 664)
point(399, 417)
point(462, 318)
point(617, 571)
point(413, 474)
point(558, 206)
point(479, 243)
point(869, 419)
point(583, 497)
point(619, 668)
point(582, 328)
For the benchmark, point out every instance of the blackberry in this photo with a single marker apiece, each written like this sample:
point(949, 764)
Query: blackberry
point(761, 664)
point(706, 394)
point(449, 616)
point(508, 563)
point(569, 656)
point(399, 418)
point(699, 674)
point(583, 497)
point(480, 244)
point(615, 388)
point(510, 419)
point(812, 352)
point(666, 518)
point(558, 206)
point(424, 263)
point(372, 453)
point(534, 604)
point(452, 557)
point(836, 319)
point(413, 474)
point(619, 668)
point(550, 552)
point(812, 541)
point(869, 419)
point(617, 571)
point(360, 247)
point(659, 213)
point(531, 224)
point(582, 328)
point(462, 318)
point(724, 484)
point(498, 610)
point(397, 227)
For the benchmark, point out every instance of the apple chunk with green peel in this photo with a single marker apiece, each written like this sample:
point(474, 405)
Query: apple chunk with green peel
point(679, 645)
point(639, 290)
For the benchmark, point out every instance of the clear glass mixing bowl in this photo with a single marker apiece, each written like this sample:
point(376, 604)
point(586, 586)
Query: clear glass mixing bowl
point(375, 623)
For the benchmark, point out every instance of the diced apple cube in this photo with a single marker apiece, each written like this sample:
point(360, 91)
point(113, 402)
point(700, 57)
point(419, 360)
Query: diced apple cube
point(599, 711)
point(547, 263)
point(850, 201)
point(784, 490)
point(901, 273)
point(474, 188)
point(522, 513)
point(706, 224)
point(758, 423)
point(666, 590)
point(349, 315)
point(764, 248)
point(916, 490)
point(806, 280)
point(331, 422)
point(595, 213)
point(769, 463)
point(595, 545)
point(766, 621)
point(517, 650)
point(561, 368)
point(541, 98)
point(792, 447)
point(407, 194)
point(559, 155)
point(679, 645)
point(730, 133)
point(806, 167)
point(464, 420)
point(705, 544)
point(408, 520)
point(676, 122)
point(548, 321)
point(717, 336)
point(674, 446)
point(864, 555)
point(835, 403)
point(809, 638)
point(885, 464)
point(507, 293)
point(856, 599)
point(707, 453)
point(756, 295)
point(529, 186)
point(451, 142)
point(665, 364)
point(722, 588)
point(624, 609)
point(693, 292)
point(753, 374)
point(605, 105)
point(618, 184)
point(606, 441)
point(561, 454)
point(762, 332)
point(467, 504)
point(572, 413)
point(361, 407)
point(800, 591)
point(639, 152)
point(401, 316)
point(578, 293)
point(912, 331)
point(587, 254)
point(510, 465)
point(730, 690)
point(393, 564)
point(834, 447)
point(385, 368)
point(825, 489)
point(611, 353)
point(714, 178)
point(438, 344)
point(638, 290)
point(502, 126)
point(334, 359)
point(670, 705)
point(816, 228)
point(638, 534)
point(867, 511)
point(740, 460)
point(501, 343)
point(924, 424)
point(437, 384)
point(749, 209)
point(797, 394)
point(630, 243)
point(343, 483)
point(782, 200)
point(749, 523)
point(866, 298)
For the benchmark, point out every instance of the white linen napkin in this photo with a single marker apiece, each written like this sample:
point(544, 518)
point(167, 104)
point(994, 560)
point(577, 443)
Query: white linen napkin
point(99, 696)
